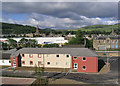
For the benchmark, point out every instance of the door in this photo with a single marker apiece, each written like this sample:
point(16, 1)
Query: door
point(75, 66)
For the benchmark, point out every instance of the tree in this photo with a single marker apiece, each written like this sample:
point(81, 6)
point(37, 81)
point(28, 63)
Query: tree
point(79, 39)
point(89, 43)
point(51, 45)
point(12, 43)
point(23, 42)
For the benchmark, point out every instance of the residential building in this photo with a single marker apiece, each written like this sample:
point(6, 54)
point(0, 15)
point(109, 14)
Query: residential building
point(79, 59)
point(107, 42)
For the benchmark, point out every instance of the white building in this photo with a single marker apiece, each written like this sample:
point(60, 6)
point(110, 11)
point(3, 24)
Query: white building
point(42, 40)
point(5, 59)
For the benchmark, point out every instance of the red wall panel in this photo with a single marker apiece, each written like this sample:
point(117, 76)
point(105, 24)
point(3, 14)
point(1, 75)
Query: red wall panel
point(91, 64)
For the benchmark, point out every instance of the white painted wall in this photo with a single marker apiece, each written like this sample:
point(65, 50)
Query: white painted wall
point(41, 40)
point(5, 62)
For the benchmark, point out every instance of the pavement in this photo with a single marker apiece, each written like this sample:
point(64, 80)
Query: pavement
point(16, 81)
point(110, 77)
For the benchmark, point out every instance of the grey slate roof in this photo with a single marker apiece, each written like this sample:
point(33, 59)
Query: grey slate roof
point(73, 51)
point(4, 55)
point(104, 37)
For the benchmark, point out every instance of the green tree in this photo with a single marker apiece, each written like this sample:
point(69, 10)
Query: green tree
point(89, 43)
point(23, 42)
point(12, 43)
point(51, 45)
point(79, 39)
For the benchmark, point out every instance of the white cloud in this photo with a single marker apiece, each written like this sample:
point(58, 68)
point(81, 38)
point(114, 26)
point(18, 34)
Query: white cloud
point(53, 22)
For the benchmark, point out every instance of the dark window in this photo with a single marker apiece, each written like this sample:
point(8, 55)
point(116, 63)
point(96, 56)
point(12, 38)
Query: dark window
point(9, 61)
point(84, 58)
point(75, 57)
point(23, 55)
point(57, 55)
point(31, 62)
point(2, 61)
point(67, 55)
point(39, 63)
point(84, 67)
point(13, 58)
point(48, 63)
point(23, 62)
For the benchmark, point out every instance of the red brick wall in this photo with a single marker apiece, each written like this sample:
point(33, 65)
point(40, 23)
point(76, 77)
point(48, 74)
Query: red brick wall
point(91, 64)
point(16, 60)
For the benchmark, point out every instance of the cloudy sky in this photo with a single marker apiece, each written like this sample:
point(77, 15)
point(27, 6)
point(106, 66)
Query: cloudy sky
point(60, 15)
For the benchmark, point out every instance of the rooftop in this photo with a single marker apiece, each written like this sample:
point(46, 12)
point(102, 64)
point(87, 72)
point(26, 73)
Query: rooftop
point(73, 51)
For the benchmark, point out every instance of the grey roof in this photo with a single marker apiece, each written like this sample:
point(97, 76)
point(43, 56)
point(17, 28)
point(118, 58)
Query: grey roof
point(73, 51)
point(104, 37)
point(4, 55)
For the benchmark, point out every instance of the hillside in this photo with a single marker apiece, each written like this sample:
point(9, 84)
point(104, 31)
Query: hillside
point(8, 28)
point(106, 28)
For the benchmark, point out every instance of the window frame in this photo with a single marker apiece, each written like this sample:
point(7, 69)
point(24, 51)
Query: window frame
point(23, 61)
point(14, 58)
point(32, 63)
point(38, 55)
point(67, 56)
point(74, 57)
point(48, 62)
point(83, 57)
point(31, 56)
point(57, 56)
point(40, 63)
point(74, 67)
point(23, 55)
point(84, 66)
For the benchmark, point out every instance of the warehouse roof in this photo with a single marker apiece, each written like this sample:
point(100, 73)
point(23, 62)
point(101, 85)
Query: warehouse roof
point(4, 55)
point(73, 51)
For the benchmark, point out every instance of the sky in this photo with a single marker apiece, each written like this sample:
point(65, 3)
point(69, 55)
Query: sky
point(60, 15)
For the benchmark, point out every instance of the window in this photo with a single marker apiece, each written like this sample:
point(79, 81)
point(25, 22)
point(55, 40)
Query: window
point(107, 41)
point(48, 63)
point(75, 57)
point(13, 58)
point(47, 55)
point(116, 46)
point(22, 55)
point(75, 66)
point(84, 67)
point(67, 63)
point(9, 61)
point(57, 55)
point(84, 58)
point(30, 55)
point(31, 62)
point(39, 62)
point(2, 61)
point(23, 62)
point(99, 41)
point(112, 46)
point(56, 63)
point(39, 55)
point(67, 55)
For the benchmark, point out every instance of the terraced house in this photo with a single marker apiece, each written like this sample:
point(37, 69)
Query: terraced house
point(79, 59)
point(107, 42)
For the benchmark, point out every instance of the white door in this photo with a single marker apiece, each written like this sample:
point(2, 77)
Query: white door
point(75, 66)
point(14, 64)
